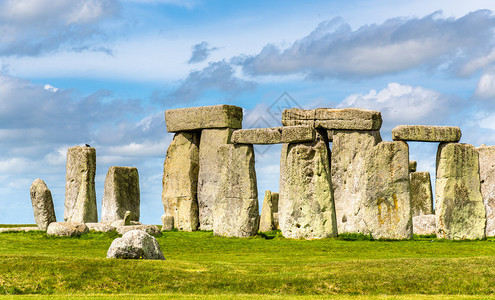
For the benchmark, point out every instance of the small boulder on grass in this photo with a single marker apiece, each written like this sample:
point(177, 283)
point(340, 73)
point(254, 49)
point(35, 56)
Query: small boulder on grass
point(135, 244)
point(68, 229)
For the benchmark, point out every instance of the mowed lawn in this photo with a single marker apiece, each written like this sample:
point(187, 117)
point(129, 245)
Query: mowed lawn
point(200, 263)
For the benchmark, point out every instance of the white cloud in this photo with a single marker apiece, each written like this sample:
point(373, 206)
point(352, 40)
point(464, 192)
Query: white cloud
point(486, 86)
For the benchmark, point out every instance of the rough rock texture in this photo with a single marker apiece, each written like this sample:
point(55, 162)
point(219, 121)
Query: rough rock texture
point(306, 207)
point(349, 152)
point(426, 133)
point(270, 207)
point(67, 229)
point(197, 118)
point(135, 244)
point(167, 222)
point(41, 199)
point(334, 118)
point(150, 229)
point(298, 134)
point(424, 224)
point(274, 135)
point(459, 205)
point(101, 227)
point(487, 177)
point(236, 212)
point(121, 194)
point(209, 173)
point(180, 181)
point(80, 195)
point(413, 165)
point(421, 194)
point(387, 209)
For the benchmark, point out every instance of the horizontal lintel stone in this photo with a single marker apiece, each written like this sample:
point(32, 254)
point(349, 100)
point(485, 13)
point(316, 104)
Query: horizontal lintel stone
point(275, 135)
point(425, 133)
point(204, 117)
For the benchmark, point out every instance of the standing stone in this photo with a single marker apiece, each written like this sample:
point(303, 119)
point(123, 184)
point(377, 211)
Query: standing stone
point(349, 152)
point(421, 194)
point(167, 222)
point(121, 194)
point(413, 166)
point(270, 208)
point(80, 195)
point(424, 224)
point(209, 173)
point(487, 177)
point(387, 210)
point(459, 205)
point(236, 212)
point(41, 199)
point(306, 207)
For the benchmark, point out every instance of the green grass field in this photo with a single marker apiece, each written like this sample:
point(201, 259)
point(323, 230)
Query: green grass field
point(199, 263)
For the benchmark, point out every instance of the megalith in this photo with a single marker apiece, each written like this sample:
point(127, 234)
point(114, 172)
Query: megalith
point(306, 206)
point(121, 194)
point(459, 207)
point(180, 181)
point(41, 199)
point(235, 212)
point(421, 194)
point(80, 195)
point(270, 207)
point(487, 178)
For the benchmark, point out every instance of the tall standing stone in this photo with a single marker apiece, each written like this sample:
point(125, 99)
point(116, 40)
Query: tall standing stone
point(349, 152)
point(41, 199)
point(80, 195)
point(236, 212)
point(270, 207)
point(421, 194)
point(387, 210)
point(306, 207)
point(487, 177)
point(180, 181)
point(459, 205)
point(121, 194)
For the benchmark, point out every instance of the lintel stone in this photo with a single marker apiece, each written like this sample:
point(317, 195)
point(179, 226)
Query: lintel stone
point(334, 118)
point(425, 133)
point(197, 118)
point(274, 135)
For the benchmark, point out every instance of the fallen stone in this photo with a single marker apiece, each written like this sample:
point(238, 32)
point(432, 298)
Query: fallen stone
point(68, 229)
point(167, 222)
point(205, 117)
point(424, 224)
point(41, 199)
point(270, 207)
point(413, 166)
point(426, 133)
point(236, 212)
point(121, 194)
point(80, 195)
point(135, 244)
point(101, 227)
point(459, 206)
point(487, 178)
point(150, 229)
point(421, 194)
point(333, 118)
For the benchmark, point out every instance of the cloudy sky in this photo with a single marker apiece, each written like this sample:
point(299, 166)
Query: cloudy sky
point(103, 72)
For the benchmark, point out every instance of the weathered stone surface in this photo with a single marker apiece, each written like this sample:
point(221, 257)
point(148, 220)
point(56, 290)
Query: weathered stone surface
point(209, 173)
point(135, 244)
point(68, 229)
point(80, 195)
point(236, 212)
point(128, 217)
point(349, 152)
point(306, 208)
point(262, 136)
point(167, 222)
point(149, 229)
point(121, 194)
point(270, 207)
point(487, 178)
point(424, 224)
point(426, 133)
point(421, 194)
point(180, 181)
point(459, 205)
point(101, 227)
point(334, 118)
point(387, 209)
point(41, 199)
point(413, 166)
point(298, 134)
point(197, 118)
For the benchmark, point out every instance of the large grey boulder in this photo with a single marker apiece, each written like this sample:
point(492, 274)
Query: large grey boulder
point(236, 212)
point(387, 209)
point(197, 118)
point(421, 194)
point(350, 150)
point(80, 195)
point(306, 207)
point(68, 229)
point(487, 178)
point(121, 194)
point(424, 224)
point(41, 199)
point(425, 133)
point(459, 205)
point(135, 244)
point(334, 118)
point(270, 207)
point(180, 181)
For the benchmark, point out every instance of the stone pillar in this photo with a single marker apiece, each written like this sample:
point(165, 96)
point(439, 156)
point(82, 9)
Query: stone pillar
point(80, 195)
point(387, 210)
point(41, 199)
point(459, 205)
point(487, 177)
point(349, 152)
point(270, 208)
point(236, 212)
point(306, 206)
point(180, 181)
point(121, 194)
point(421, 194)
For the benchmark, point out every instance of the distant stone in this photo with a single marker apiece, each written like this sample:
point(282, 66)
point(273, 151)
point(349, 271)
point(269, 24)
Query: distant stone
point(333, 118)
point(421, 194)
point(150, 229)
point(167, 222)
point(270, 207)
point(68, 229)
point(119, 223)
point(80, 195)
point(413, 166)
point(121, 194)
point(426, 133)
point(127, 217)
point(41, 199)
point(459, 206)
point(424, 224)
point(487, 178)
point(101, 227)
point(135, 244)
point(205, 117)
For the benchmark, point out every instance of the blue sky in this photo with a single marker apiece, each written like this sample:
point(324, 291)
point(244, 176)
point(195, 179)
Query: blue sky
point(103, 73)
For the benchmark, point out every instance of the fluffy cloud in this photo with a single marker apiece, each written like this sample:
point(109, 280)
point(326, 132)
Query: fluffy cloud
point(200, 52)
